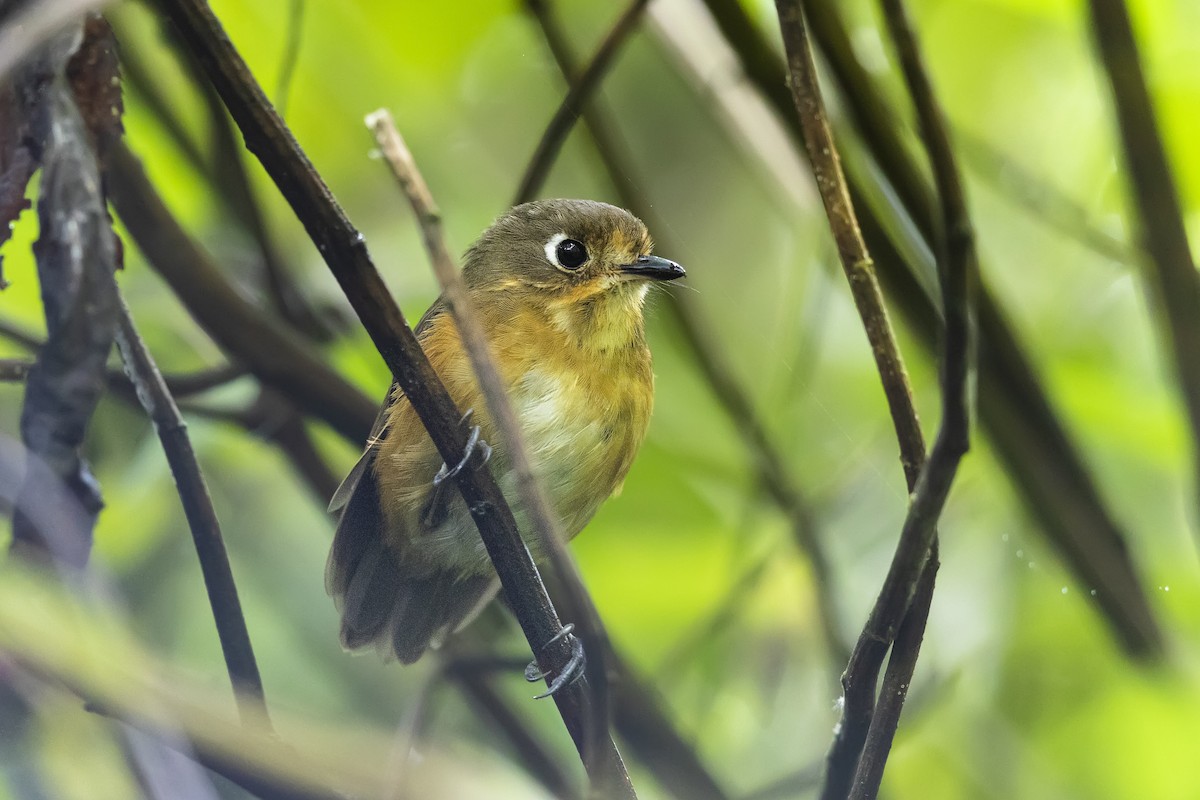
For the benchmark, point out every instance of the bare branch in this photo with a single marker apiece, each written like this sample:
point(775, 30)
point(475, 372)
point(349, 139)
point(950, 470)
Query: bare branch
point(930, 486)
point(201, 516)
point(575, 101)
point(1022, 424)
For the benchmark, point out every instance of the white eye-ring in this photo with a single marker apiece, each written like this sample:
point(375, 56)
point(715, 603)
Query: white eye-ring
point(566, 253)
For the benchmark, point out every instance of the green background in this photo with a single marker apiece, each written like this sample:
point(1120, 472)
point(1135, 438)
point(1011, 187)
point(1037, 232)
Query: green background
point(1020, 691)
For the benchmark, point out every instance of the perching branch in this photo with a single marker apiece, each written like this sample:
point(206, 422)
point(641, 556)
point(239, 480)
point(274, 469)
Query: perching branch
point(546, 527)
point(201, 516)
point(1175, 284)
point(576, 100)
point(344, 251)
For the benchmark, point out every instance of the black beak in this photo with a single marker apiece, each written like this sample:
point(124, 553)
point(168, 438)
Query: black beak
point(654, 268)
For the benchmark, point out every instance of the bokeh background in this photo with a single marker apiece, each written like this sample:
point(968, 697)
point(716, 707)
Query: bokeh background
point(1021, 690)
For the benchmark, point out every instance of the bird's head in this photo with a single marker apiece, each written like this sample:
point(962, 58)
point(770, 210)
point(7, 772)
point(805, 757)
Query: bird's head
point(567, 252)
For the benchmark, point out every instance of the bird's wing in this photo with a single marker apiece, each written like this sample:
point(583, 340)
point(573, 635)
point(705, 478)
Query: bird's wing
point(346, 489)
point(386, 595)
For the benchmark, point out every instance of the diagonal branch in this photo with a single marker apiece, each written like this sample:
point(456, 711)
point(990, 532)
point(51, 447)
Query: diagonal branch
point(576, 100)
point(222, 591)
point(914, 563)
point(533, 499)
point(344, 251)
point(1175, 285)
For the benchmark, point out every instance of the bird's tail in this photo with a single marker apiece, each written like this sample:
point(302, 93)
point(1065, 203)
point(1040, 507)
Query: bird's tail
point(401, 607)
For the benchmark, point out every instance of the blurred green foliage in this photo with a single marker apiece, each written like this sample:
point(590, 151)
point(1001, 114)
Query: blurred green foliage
point(1020, 692)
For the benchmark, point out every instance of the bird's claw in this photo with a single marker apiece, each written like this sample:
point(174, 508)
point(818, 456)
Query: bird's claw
point(474, 442)
point(572, 671)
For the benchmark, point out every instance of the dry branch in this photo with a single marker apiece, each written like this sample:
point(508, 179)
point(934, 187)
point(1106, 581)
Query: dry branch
point(912, 560)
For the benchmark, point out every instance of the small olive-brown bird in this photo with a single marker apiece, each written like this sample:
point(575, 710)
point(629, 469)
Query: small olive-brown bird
point(559, 286)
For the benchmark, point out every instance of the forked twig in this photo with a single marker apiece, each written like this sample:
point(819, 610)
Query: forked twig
point(913, 563)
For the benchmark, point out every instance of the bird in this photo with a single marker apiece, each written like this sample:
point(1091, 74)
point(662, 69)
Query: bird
point(559, 286)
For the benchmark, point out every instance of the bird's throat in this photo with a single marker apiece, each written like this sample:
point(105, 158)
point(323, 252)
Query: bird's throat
point(604, 321)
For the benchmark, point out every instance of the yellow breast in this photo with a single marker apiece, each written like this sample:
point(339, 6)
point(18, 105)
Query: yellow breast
point(584, 406)
point(583, 403)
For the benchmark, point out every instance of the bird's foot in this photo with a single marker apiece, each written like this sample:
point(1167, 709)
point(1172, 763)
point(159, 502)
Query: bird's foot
point(437, 506)
point(572, 671)
point(474, 442)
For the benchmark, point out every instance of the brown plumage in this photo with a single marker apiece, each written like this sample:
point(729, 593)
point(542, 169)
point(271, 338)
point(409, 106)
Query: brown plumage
point(559, 286)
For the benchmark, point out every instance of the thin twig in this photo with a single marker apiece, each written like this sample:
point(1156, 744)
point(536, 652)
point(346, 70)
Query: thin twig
point(852, 250)
point(180, 385)
point(957, 270)
point(344, 251)
point(897, 679)
point(1175, 284)
point(545, 525)
point(1023, 427)
point(201, 516)
point(575, 101)
point(913, 549)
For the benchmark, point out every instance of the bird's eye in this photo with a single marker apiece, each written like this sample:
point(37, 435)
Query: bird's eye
point(570, 254)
